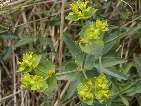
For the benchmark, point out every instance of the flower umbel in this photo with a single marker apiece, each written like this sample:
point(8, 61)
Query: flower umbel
point(29, 62)
point(95, 30)
point(33, 82)
point(26, 61)
point(26, 81)
point(92, 33)
point(102, 25)
point(85, 92)
point(50, 73)
point(91, 37)
point(38, 83)
point(102, 91)
point(80, 10)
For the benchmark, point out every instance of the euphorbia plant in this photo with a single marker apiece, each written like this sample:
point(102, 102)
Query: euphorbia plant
point(88, 55)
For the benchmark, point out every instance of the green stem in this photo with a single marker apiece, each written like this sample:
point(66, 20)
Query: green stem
point(84, 74)
point(68, 72)
point(82, 67)
point(100, 65)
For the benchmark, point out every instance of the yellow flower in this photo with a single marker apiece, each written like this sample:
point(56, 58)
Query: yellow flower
point(25, 81)
point(26, 61)
point(37, 83)
point(29, 62)
point(50, 73)
point(80, 10)
point(102, 25)
point(74, 7)
point(103, 95)
point(33, 82)
point(102, 91)
point(85, 92)
point(26, 58)
point(92, 33)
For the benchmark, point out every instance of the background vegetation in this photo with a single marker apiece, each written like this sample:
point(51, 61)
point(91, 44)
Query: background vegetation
point(41, 26)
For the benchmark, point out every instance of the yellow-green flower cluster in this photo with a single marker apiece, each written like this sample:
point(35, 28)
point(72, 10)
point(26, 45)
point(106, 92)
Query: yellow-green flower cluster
point(80, 10)
point(50, 73)
point(101, 25)
point(29, 61)
point(85, 92)
point(102, 91)
point(97, 88)
point(29, 79)
point(93, 31)
point(33, 82)
point(26, 61)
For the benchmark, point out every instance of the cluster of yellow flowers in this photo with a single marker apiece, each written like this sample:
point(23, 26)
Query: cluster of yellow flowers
point(91, 42)
point(33, 82)
point(80, 10)
point(101, 25)
point(28, 62)
point(102, 91)
point(91, 89)
point(93, 32)
point(29, 78)
point(50, 73)
point(85, 92)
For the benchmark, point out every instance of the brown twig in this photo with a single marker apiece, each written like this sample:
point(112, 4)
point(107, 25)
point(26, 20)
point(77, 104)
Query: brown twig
point(62, 93)
point(14, 78)
point(9, 96)
point(59, 55)
point(0, 85)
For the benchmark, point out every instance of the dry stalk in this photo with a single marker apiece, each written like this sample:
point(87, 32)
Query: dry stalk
point(0, 85)
point(9, 96)
point(62, 93)
point(14, 78)
point(60, 50)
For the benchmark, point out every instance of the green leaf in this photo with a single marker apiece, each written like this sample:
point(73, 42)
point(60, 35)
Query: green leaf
point(7, 36)
point(136, 89)
point(89, 62)
point(112, 61)
point(109, 61)
point(43, 67)
point(71, 65)
point(137, 61)
point(6, 53)
point(94, 47)
point(134, 29)
point(52, 86)
point(24, 41)
point(96, 103)
point(71, 16)
point(72, 76)
point(115, 74)
point(36, 60)
point(89, 102)
point(126, 68)
point(108, 47)
point(74, 49)
point(138, 97)
point(69, 73)
point(124, 100)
